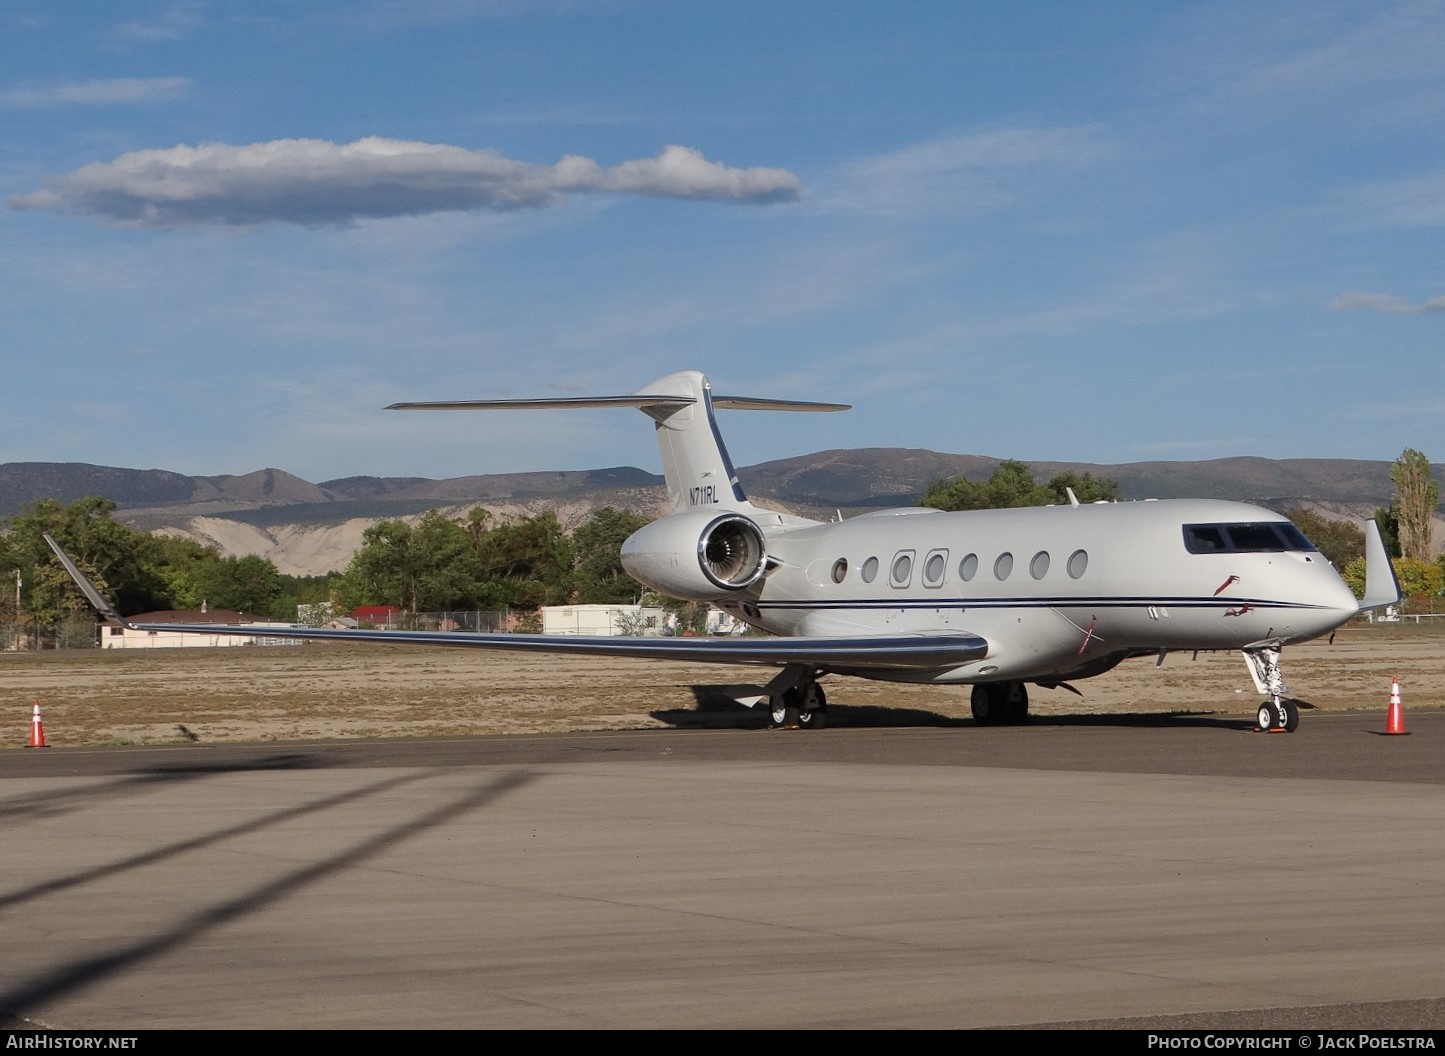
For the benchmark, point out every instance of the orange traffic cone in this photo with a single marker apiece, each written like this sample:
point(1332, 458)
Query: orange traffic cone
point(37, 729)
point(1395, 720)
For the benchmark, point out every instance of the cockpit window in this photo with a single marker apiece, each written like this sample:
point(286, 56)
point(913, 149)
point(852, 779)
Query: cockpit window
point(1296, 538)
point(1260, 537)
point(1204, 538)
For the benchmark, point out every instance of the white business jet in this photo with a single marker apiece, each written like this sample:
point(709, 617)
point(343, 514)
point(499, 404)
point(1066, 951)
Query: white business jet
point(995, 599)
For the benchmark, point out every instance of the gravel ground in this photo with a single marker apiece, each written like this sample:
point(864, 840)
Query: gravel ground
point(323, 691)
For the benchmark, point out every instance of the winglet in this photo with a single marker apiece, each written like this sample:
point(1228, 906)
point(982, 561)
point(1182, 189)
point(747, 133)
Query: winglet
point(93, 595)
point(1382, 589)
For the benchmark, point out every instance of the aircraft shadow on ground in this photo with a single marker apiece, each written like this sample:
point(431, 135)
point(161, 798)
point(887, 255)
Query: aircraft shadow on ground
point(716, 709)
point(64, 979)
point(54, 802)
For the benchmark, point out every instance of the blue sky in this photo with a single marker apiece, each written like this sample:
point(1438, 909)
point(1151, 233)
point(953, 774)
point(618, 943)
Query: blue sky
point(233, 230)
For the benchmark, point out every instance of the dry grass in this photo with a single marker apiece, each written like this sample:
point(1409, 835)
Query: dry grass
point(344, 690)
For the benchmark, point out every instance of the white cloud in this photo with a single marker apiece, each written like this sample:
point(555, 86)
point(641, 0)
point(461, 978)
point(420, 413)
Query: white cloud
point(177, 21)
point(386, 14)
point(679, 172)
point(971, 172)
point(1386, 302)
point(1417, 201)
point(1344, 51)
point(316, 182)
point(103, 92)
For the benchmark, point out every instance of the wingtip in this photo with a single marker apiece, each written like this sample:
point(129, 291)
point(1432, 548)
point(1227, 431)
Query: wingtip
point(89, 589)
point(1382, 586)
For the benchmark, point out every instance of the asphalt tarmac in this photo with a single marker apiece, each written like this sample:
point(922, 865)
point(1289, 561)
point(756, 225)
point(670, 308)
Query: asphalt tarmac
point(1144, 872)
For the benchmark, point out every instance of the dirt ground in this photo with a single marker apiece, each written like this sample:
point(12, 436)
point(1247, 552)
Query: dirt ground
point(323, 691)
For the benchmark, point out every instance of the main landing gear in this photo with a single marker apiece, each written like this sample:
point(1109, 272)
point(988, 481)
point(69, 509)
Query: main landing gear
point(1278, 714)
point(1000, 704)
point(800, 707)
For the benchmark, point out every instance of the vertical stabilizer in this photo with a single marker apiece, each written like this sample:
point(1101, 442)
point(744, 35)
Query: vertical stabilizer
point(695, 461)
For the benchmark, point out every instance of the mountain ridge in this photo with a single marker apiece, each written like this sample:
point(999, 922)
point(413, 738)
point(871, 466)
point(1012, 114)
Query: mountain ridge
point(307, 528)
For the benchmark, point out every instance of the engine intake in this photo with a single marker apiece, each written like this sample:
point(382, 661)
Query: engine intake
point(699, 555)
point(731, 552)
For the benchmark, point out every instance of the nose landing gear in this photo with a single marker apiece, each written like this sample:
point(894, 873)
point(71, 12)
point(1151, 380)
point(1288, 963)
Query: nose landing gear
point(1278, 714)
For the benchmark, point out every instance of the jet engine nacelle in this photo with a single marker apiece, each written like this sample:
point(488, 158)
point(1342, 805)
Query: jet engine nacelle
point(701, 555)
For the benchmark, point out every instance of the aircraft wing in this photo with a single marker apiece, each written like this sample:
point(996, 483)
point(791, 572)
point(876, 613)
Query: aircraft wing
point(878, 652)
point(919, 651)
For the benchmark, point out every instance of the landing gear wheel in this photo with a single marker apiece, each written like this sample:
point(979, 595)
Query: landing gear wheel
point(1000, 703)
point(1278, 716)
point(787, 711)
point(1015, 703)
point(981, 702)
point(814, 715)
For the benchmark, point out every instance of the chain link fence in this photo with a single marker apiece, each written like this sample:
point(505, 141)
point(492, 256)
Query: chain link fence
point(485, 622)
point(498, 622)
point(75, 632)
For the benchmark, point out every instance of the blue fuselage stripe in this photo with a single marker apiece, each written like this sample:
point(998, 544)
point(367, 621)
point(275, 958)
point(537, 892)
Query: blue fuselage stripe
point(1037, 603)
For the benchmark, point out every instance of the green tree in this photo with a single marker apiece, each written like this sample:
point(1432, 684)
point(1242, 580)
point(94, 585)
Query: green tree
point(446, 565)
point(303, 590)
point(1012, 484)
point(384, 570)
point(125, 562)
point(440, 564)
point(1387, 519)
point(1418, 579)
point(1340, 541)
point(532, 559)
point(248, 584)
point(1417, 497)
point(426, 567)
point(476, 526)
point(597, 554)
point(1086, 487)
point(181, 563)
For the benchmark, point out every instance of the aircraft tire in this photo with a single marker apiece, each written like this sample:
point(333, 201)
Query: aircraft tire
point(786, 711)
point(814, 713)
point(1266, 718)
point(1000, 704)
point(1016, 703)
point(986, 705)
point(1291, 713)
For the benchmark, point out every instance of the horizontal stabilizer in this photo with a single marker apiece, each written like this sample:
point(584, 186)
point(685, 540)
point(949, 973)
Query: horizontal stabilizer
point(638, 400)
point(695, 464)
point(641, 401)
point(753, 403)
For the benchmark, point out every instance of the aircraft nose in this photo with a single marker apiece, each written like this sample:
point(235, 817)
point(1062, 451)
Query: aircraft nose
point(1333, 605)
